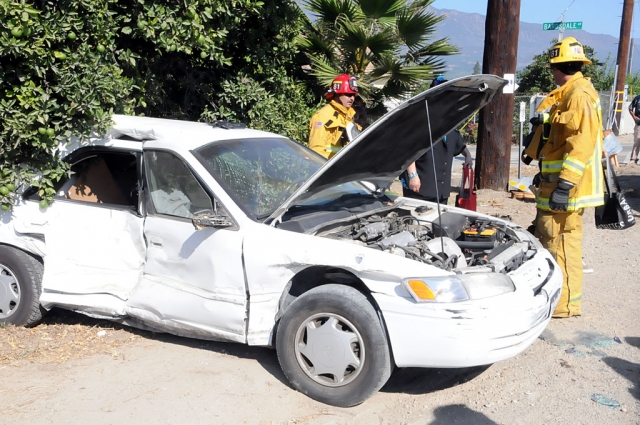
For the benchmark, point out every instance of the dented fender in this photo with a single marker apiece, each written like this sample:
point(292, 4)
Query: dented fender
point(23, 228)
point(272, 257)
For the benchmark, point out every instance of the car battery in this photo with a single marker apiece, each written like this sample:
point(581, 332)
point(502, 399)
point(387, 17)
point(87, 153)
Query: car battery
point(475, 234)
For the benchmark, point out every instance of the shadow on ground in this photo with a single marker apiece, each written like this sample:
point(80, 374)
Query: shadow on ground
point(415, 380)
point(405, 380)
point(633, 340)
point(459, 414)
point(627, 369)
point(266, 357)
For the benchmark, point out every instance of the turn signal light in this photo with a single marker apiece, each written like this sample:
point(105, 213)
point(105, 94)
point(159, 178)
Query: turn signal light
point(421, 290)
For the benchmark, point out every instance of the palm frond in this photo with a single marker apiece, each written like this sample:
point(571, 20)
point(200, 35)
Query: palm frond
point(414, 28)
point(323, 70)
point(357, 37)
point(397, 78)
point(438, 65)
point(439, 47)
point(328, 12)
point(315, 44)
point(420, 4)
point(378, 9)
point(387, 43)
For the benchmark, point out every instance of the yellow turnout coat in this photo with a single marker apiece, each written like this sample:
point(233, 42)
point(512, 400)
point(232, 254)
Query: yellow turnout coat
point(573, 151)
point(327, 126)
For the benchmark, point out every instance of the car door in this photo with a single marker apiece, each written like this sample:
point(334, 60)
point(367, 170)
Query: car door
point(193, 281)
point(93, 233)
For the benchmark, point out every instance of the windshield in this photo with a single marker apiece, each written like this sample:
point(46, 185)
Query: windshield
point(333, 194)
point(259, 174)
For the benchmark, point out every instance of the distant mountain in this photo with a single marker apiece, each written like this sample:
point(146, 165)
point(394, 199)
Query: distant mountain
point(466, 30)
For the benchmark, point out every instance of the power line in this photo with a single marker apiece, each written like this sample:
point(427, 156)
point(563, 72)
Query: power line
point(570, 4)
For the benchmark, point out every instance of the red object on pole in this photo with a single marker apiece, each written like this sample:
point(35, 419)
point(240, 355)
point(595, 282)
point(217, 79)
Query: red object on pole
point(467, 197)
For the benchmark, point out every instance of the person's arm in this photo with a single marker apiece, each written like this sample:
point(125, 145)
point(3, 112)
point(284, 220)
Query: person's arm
point(414, 178)
point(460, 148)
point(581, 129)
point(468, 161)
point(632, 109)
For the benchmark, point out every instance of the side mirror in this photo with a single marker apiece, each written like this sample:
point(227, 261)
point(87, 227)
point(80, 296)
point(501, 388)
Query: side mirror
point(206, 218)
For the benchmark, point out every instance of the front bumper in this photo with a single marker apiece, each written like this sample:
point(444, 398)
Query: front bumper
point(474, 333)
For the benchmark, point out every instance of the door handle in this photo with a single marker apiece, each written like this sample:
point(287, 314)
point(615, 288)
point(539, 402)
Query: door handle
point(155, 241)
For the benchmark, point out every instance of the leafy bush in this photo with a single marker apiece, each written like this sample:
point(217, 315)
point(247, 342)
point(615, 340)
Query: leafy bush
point(69, 65)
point(243, 99)
point(470, 133)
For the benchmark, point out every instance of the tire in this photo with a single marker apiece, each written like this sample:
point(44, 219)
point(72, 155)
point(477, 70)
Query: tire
point(20, 287)
point(348, 359)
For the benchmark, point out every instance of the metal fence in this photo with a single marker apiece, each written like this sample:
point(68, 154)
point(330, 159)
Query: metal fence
point(533, 100)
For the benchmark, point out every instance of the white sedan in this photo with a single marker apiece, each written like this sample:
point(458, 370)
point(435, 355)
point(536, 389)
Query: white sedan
point(220, 232)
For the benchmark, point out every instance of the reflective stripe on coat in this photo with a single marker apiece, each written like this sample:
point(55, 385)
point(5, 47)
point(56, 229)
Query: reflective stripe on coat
point(574, 148)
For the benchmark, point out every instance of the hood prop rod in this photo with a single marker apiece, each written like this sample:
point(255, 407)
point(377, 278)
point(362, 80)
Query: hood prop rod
point(435, 176)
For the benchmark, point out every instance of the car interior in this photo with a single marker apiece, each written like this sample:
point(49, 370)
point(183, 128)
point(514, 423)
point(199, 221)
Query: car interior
point(102, 178)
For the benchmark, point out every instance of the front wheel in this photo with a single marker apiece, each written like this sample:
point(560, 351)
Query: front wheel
point(332, 347)
point(20, 279)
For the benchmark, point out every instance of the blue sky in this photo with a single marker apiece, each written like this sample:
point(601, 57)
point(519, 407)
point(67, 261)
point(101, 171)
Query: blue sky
point(597, 16)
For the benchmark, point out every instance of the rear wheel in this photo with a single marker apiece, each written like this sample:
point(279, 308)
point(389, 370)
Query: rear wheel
point(332, 347)
point(20, 278)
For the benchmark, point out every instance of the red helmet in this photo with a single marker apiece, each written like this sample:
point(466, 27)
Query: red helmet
point(342, 84)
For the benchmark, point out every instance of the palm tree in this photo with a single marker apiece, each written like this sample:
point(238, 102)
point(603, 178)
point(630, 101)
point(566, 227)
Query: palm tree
point(386, 43)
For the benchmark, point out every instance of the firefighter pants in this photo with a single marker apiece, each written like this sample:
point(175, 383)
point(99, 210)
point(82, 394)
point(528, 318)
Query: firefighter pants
point(561, 233)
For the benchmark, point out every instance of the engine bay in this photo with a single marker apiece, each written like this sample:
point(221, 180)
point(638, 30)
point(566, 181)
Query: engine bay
point(449, 240)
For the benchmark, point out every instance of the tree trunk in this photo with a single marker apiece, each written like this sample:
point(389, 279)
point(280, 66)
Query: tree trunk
point(493, 155)
point(623, 52)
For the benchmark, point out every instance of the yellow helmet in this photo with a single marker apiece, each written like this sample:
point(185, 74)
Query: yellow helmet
point(567, 50)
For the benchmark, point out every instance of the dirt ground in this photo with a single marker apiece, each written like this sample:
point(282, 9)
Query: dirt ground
point(586, 370)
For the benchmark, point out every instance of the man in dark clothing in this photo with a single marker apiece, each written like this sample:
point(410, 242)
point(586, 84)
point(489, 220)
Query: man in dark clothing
point(419, 181)
point(634, 110)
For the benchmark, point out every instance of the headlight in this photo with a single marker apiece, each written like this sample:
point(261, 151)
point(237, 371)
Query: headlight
point(445, 289)
point(450, 289)
point(485, 285)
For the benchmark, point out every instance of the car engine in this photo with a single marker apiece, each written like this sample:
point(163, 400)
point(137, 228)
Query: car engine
point(448, 241)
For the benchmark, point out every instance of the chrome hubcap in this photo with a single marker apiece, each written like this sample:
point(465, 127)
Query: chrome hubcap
point(9, 292)
point(329, 349)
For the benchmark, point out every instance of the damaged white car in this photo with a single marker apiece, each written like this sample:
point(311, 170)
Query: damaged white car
point(225, 233)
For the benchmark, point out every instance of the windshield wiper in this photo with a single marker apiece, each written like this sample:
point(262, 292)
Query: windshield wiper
point(265, 215)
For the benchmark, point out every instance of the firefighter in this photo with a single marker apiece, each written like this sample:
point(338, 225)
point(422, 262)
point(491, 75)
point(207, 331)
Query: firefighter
point(327, 127)
point(568, 146)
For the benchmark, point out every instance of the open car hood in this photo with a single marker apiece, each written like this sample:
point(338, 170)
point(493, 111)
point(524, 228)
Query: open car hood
point(386, 148)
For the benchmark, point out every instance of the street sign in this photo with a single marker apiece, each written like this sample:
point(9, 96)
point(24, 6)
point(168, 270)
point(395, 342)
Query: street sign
point(555, 26)
point(522, 117)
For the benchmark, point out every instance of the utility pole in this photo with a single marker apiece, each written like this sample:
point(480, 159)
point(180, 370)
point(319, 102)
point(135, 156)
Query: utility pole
point(493, 155)
point(623, 52)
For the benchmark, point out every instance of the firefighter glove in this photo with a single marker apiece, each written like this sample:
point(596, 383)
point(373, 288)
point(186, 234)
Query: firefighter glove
point(537, 179)
point(537, 120)
point(559, 199)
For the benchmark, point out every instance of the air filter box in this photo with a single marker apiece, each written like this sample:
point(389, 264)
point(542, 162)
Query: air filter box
point(449, 225)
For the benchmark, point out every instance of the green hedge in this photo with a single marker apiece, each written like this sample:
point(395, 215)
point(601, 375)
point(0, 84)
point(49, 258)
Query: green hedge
point(68, 65)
